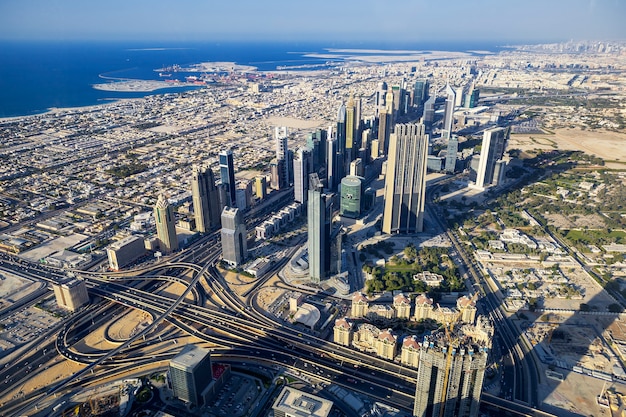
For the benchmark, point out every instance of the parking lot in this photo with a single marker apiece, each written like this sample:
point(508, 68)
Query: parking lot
point(236, 397)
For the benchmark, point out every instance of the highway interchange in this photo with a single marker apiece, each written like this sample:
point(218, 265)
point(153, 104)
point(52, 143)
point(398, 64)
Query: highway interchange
point(235, 326)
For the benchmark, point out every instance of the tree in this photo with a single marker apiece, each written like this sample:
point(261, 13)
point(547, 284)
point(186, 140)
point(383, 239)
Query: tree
point(410, 252)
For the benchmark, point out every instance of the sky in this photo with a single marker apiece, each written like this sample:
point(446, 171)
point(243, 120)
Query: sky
point(314, 20)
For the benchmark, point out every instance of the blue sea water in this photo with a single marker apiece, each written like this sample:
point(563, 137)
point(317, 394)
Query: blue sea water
point(35, 76)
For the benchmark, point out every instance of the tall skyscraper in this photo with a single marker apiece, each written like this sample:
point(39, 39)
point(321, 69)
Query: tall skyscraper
point(350, 130)
point(319, 222)
point(206, 199)
point(332, 169)
point(234, 240)
point(301, 175)
point(282, 154)
point(420, 92)
point(260, 187)
point(405, 180)
point(384, 129)
point(451, 371)
point(380, 96)
point(227, 175)
point(492, 150)
point(341, 129)
point(351, 198)
point(190, 373)
point(448, 116)
point(429, 111)
point(451, 155)
point(165, 225)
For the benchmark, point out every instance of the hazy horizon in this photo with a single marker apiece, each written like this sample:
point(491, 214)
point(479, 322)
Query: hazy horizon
point(366, 21)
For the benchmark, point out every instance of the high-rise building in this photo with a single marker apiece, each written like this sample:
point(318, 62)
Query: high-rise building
point(260, 187)
point(350, 130)
point(420, 92)
point(448, 116)
point(405, 180)
point(384, 129)
point(351, 201)
point(282, 154)
point(381, 94)
point(227, 175)
point(356, 167)
point(190, 373)
point(332, 169)
point(341, 128)
point(125, 251)
point(71, 294)
point(451, 155)
point(234, 240)
point(206, 200)
point(319, 223)
point(492, 150)
point(471, 96)
point(429, 111)
point(301, 175)
point(451, 371)
point(165, 225)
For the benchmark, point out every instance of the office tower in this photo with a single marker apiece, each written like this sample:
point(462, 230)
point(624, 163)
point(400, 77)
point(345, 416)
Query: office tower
point(420, 92)
point(341, 129)
point(390, 105)
point(471, 96)
point(405, 180)
point(435, 163)
point(350, 130)
point(332, 174)
point(319, 221)
point(429, 111)
point(234, 240)
point(261, 187)
point(356, 167)
point(301, 175)
point(451, 371)
point(358, 120)
point(275, 168)
point(492, 150)
point(448, 116)
point(165, 225)
point(384, 129)
point(206, 200)
point(451, 155)
point(351, 197)
point(227, 175)
point(380, 95)
point(71, 294)
point(244, 194)
point(191, 373)
point(398, 94)
point(125, 251)
point(282, 155)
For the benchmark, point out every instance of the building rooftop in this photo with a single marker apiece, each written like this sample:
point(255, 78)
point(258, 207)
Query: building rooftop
point(189, 357)
point(296, 403)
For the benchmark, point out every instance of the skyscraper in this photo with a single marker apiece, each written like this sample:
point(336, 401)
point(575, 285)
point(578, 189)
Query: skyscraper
point(451, 371)
point(260, 187)
point(341, 129)
point(451, 155)
point(429, 111)
point(319, 221)
point(491, 151)
point(190, 373)
point(350, 130)
point(384, 128)
point(351, 198)
point(282, 155)
point(71, 294)
point(405, 180)
point(206, 199)
point(332, 173)
point(448, 116)
point(301, 175)
point(420, 92)
point(227, 175)
point(234, 240)
point(165, 225)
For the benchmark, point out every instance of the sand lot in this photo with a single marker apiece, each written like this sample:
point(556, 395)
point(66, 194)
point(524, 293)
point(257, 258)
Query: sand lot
point(604, 144)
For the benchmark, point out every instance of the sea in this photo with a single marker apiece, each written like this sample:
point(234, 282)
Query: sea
point(37, 76)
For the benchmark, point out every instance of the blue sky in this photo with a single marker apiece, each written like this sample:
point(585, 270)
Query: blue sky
point(327, 20)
